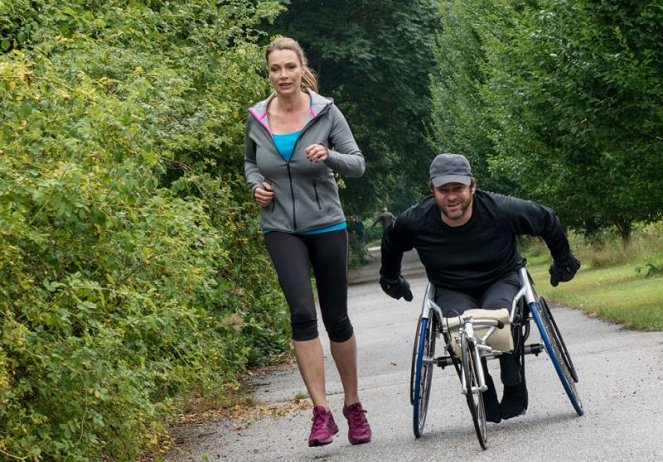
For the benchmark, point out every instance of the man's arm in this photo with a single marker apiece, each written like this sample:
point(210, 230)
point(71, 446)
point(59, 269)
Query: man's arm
point(539, 220)
point(395, 241)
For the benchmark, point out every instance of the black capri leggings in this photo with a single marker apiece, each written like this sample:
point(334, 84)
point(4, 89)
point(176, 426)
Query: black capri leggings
point(292, 256)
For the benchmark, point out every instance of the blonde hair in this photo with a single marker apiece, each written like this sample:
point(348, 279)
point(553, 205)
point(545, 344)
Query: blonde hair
point(309, 79)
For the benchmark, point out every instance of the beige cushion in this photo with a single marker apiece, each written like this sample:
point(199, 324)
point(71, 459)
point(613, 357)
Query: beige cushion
point(501, 339)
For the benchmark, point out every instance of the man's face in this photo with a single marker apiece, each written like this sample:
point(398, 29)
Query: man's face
point(455, 202)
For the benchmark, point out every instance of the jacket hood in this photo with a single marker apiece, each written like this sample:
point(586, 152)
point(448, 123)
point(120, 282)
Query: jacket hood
point(319, 104)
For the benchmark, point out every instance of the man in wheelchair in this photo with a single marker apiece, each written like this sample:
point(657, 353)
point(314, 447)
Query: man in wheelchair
point(466, 239)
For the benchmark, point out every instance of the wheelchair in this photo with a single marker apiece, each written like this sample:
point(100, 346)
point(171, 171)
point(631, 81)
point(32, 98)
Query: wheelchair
point(479, 334)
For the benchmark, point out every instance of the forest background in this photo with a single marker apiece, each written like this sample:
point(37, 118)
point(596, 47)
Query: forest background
point(133, 272)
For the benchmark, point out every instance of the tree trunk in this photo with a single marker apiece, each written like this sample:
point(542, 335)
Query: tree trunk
point(625, 229)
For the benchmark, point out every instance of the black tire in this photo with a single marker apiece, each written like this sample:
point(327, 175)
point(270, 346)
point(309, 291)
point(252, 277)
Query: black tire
point(559, 355)
point(422, 371)
point(473, 392)
point(547, 316)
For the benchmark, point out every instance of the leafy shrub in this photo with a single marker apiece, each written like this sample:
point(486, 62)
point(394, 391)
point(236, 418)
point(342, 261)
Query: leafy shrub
point(132, 270)
point(650, 269)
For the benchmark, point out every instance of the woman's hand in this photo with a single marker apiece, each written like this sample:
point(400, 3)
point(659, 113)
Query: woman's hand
point(264, 194)
point(317, 153)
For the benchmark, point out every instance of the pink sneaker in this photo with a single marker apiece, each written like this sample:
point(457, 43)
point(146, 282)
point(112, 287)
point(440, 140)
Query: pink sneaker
point(359, 431)
point(323, 429)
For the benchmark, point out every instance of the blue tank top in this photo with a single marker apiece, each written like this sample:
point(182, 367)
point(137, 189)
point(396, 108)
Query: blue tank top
point(285, 143)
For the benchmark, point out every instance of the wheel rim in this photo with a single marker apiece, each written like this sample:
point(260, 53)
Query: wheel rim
point(554, 349)
point(415, 347)
point(423, 373)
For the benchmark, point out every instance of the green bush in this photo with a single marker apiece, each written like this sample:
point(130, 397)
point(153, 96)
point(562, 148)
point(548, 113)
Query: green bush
point(133, 272)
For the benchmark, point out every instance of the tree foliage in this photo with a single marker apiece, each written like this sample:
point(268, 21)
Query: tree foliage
point(459, 124)
point(570, 100)
point(374, 58)
point(132, 268)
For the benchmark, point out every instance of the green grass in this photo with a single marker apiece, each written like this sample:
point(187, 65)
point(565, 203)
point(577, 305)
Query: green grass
point(614, 284)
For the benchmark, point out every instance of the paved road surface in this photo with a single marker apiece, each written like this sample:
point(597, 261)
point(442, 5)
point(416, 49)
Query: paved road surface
point(621, 383)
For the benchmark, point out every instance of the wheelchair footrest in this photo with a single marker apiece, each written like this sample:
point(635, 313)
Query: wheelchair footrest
point(443, 361)
point(534, 349)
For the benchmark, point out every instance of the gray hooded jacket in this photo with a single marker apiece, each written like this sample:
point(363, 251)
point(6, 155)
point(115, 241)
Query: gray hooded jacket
point(305, 193)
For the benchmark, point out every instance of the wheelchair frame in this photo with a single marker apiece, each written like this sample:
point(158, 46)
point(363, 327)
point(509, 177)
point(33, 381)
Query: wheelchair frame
point(526, 305)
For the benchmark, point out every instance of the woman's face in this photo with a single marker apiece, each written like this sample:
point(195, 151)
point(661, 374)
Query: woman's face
point(285, 71)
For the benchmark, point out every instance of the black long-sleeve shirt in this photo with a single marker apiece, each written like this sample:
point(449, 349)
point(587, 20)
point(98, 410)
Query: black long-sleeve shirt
point(472, 256)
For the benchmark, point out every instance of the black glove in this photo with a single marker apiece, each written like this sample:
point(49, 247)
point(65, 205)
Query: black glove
point(563, 272)
point(396, 288)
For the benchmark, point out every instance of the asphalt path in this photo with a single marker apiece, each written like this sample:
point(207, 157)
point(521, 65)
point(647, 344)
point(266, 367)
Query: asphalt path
point(621, 386)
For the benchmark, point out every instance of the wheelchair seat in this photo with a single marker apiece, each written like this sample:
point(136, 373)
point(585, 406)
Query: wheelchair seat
point(501, 339)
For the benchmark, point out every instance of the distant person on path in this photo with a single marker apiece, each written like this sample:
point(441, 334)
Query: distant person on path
point(358, 228)
point(385, 219)
point(466, 239)
point(295, 141)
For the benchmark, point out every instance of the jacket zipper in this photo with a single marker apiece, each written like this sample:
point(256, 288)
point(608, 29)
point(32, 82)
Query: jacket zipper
point(292, 195)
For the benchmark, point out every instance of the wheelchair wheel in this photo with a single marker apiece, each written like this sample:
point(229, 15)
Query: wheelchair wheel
point(422, 371)
point(413, 367)
point(547, 317)
point(473, 392)
point(559, 355)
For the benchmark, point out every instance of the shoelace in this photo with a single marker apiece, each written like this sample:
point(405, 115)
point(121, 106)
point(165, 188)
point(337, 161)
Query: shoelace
point(357, 416)
point(319, 420)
